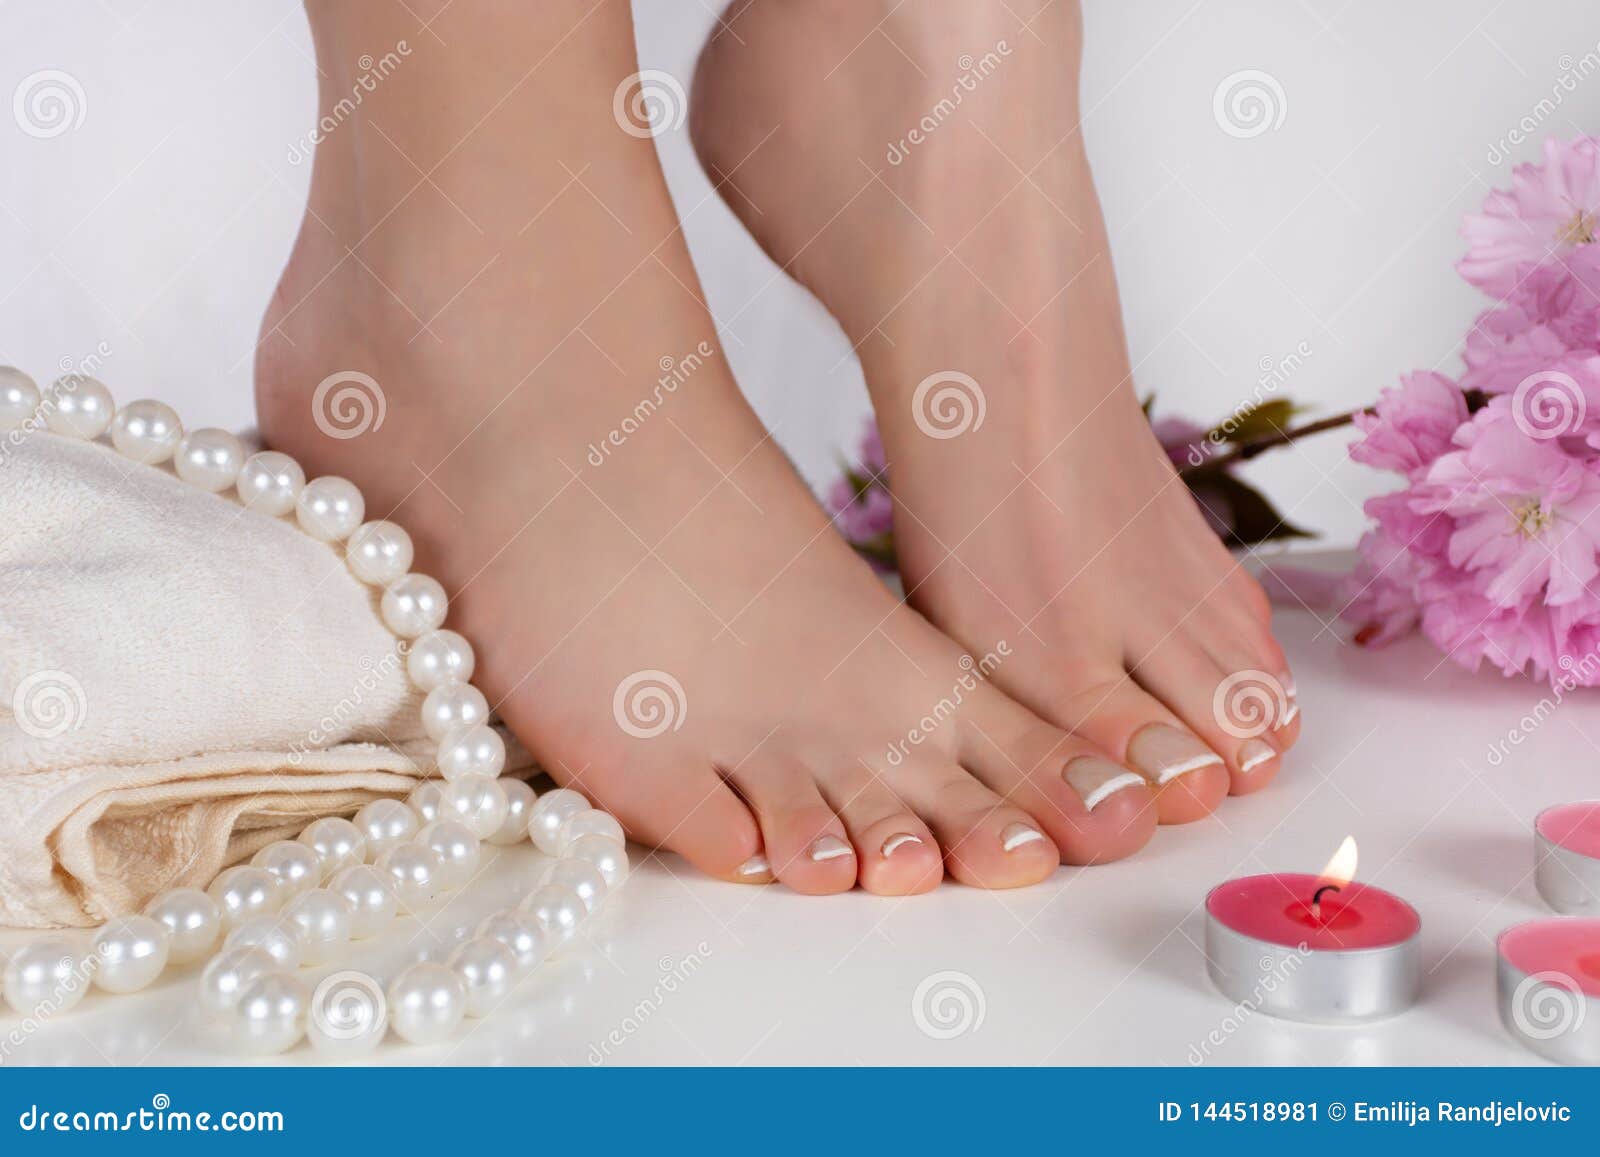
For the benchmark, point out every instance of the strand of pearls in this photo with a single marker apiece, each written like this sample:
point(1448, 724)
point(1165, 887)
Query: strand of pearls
point(301, 902)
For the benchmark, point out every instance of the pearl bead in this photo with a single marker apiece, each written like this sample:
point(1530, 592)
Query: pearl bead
point(527, 938)
point(330, 508)
point(192, 920)
point(452, 707)
point(379, 553)
point(273, 935)
point(367, 894)
point(242, 892)
point(45, 977)
point(146, 431)
point(78, 406)
point(349, 1014)
point(337, 842)
point(295, 866)
point(270, 1014)
point(552, 810)
point(129, 953)
point(487, 969)
point(439, 657)
point(19, 399)
point(270, 482)
point(426, 1003)
point(519, 805)
point(605, 855)
point(477, 750)
point(229, 971)
point(209, 458)
point(457, 848)
point(385, 824)
point(557, 909)
point(413, 605)
point(479, 803)
point(592, 822)
point(321, 921)
point(412, 872)
point(424, 800)
point(581, 878)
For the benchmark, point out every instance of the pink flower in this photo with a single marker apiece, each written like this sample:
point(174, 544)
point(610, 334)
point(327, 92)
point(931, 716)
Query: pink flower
point(1413, 425)
point(1551, 211)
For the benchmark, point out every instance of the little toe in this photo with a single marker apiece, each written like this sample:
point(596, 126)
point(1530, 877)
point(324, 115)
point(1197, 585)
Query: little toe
point(987, 842)
point(896, 854)
point(807, 847)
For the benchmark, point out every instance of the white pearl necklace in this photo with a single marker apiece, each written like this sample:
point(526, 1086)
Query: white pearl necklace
point(301, 902)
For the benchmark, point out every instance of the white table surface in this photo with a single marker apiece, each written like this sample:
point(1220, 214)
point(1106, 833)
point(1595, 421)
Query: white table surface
point(1094, 966)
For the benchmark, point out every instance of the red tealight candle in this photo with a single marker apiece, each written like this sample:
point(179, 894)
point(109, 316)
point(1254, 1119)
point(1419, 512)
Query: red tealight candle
point(1568, 867)
point(1315, 948)
point(1549, 983)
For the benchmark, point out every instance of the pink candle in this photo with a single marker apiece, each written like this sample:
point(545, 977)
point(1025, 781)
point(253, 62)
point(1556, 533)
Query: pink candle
point(1316, 948)
point(1567, 870)
point(1549, 983)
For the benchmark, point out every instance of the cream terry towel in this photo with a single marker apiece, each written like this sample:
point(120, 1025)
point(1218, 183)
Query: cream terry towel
point(181, 681)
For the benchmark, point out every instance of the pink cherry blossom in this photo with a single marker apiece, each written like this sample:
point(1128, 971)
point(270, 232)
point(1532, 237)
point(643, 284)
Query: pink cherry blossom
point(1551, 210)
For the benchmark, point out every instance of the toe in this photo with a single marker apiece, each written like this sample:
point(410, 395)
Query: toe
point(896, 854)
point(1093, 808)
point(807, 847)
point(987, 842)
point(684, 810)
point(1110, 709)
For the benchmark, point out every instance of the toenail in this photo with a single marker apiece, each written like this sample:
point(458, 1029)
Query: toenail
point(1254, 753)
point(1288, 716)
point(1097, 780)
point(1016, 835)
point(897, 841)
point(756, 865)
point(830, 848)
point(1287, 683)
point(1163, 753)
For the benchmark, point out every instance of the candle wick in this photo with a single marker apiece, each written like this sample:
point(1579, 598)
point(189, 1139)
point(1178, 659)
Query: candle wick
point(1316, 899)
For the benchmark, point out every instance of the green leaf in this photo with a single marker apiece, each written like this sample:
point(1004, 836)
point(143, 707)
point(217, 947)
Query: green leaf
point(1244, 510)
point(1258, 421)
point(880, 548)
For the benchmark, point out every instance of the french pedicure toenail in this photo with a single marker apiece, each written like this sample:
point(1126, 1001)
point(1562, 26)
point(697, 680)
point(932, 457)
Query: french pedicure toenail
point(1097, 780)
point(1254, 753)
point(1289, 715)
point(1019, 835)
point(830, 848)
point(1163, 753)
point(897, 841)
point(756, 865)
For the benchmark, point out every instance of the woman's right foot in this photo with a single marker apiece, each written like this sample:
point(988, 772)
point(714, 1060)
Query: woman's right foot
point(662, 613)
point(920, 167)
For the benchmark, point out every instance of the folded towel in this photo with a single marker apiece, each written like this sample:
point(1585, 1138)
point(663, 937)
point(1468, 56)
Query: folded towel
point(181, 682)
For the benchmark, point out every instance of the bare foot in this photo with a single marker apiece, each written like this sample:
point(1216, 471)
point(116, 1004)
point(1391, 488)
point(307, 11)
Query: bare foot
point(919, 167)
point(662, 613)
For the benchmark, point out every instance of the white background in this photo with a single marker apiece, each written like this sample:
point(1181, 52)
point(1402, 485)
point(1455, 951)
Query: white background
point(159, 224)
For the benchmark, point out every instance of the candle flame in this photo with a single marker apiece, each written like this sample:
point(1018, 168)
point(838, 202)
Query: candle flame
point(1342, 868)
